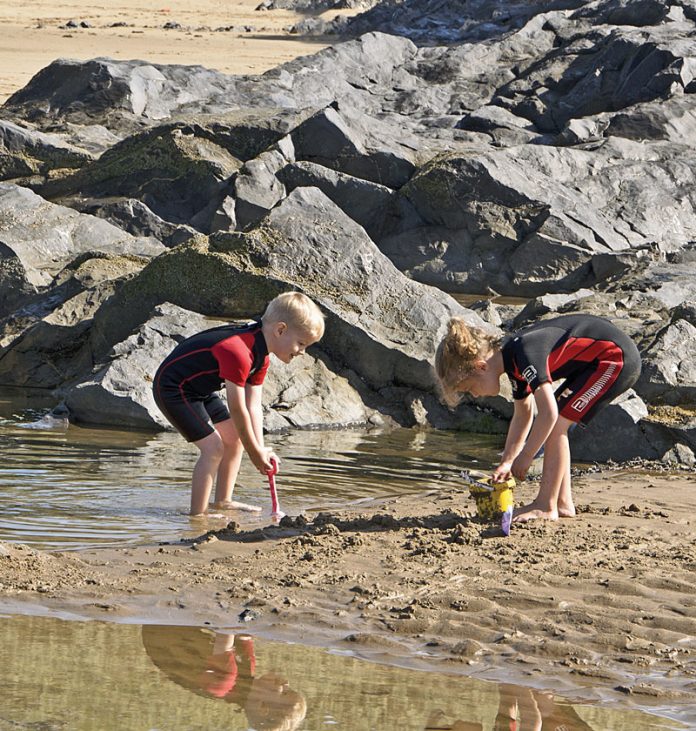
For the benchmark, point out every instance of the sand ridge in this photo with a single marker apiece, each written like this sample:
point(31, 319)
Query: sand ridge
point(601, 604)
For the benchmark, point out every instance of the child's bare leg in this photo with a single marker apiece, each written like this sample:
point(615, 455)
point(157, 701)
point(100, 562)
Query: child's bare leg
point(229, 469)
point(566, 506)
point(556, 469)
point(211, 451)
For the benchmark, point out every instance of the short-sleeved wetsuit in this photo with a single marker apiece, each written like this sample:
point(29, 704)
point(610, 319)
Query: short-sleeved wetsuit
point(595, 359)
point(186, 383)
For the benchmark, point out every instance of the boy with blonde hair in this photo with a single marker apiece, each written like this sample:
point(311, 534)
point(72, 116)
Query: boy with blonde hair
point(187, 382)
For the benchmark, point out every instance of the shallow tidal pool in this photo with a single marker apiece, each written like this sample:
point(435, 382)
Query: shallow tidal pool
point(63, 675)
point(66, 487)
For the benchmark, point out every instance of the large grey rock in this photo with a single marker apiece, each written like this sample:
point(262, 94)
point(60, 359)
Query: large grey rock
point(364, 201)
point(26, 152)
point(39, 238)
point(516, 228)
point(175, 171)
point(134, 217)
point(380, 325)
point(42, 342)
point(108, 91)
point(619, 433)
point(669, 366)
point(256, 189)
point(351, 146)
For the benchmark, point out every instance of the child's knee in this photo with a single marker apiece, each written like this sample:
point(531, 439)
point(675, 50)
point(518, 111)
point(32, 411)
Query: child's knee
point(212, 448)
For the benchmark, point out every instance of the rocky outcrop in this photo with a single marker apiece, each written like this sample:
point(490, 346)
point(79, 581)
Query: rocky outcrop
point(539, 151)
point(37, 239)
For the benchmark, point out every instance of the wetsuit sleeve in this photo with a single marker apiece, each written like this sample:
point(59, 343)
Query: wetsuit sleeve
point(234, 360)
point(256, 379)
point(530, 357)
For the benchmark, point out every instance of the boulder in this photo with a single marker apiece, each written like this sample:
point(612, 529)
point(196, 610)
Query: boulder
point(516, 227)
point(256, 189)
point(25, 152)
point(134, 217)
point(351, 146)
point(173, 170)
point(619, 433)
point(42, 342)
point(381, 326)
point(669, 367)
point(364, 201)
point(38, 238)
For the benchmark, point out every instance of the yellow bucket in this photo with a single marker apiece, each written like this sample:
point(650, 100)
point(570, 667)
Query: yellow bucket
point(490, 503)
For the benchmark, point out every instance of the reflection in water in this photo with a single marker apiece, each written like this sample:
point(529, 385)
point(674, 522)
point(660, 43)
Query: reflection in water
point(74, 487)
point(82, 676)
point(223, 665)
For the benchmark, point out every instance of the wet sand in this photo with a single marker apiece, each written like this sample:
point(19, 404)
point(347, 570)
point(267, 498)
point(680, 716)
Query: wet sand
point(33, 36)
point(600, 605)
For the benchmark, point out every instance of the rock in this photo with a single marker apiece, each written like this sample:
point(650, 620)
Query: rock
point(175, 171)
point(304, 393)
point(256, 189)
point(25, 152)
point(380, 325)
point(365, 202)
point(669, 369)
point(515, 228)
point(344, 145)
point(630, 436)
point(41, 344)
point(134, 217)
point(38, 238)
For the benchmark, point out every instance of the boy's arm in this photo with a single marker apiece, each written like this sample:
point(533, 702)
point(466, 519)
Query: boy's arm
point(547, 415)
point(254, 398)
point(519, 427)
point(236, 401)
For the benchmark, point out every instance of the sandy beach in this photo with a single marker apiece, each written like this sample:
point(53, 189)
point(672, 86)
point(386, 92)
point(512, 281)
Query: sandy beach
point(34, 35)
point(597, 606)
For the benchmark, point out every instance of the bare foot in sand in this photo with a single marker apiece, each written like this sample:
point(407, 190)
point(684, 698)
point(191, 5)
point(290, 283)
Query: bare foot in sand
point(566, 511)
point(234, 505)
point(532, 512)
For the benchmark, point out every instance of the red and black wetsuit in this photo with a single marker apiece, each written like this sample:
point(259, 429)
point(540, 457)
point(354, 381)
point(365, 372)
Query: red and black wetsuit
point(595, 359)
point(186, 383)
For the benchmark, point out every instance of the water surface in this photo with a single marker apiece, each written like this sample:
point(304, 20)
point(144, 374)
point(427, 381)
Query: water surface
point(82, 676)
point(67, 487)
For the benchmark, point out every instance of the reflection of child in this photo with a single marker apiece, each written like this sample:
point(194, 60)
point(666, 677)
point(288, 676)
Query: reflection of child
point(593, 358)
point(273, 706)
point(224, 666)
point(523, 708)
point(186, 385)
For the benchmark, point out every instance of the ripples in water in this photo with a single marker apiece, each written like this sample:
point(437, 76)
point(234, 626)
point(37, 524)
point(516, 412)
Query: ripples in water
point(69, 487)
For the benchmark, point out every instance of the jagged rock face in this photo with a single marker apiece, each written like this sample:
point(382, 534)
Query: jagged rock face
point(37, 239)
point(540, 150)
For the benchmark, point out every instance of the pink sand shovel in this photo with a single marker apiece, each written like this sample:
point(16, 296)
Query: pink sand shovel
point(276, 512)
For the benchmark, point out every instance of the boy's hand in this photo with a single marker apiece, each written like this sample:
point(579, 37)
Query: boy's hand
point(502, 472)
point(262, 460)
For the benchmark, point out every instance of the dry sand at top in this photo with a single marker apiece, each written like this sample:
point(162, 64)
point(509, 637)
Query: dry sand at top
point(599, 605)
point(31, 36)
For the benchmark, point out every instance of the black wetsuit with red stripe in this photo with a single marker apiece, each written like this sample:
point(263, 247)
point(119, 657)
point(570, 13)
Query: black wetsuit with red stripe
point(186, 383)
point(595, 360)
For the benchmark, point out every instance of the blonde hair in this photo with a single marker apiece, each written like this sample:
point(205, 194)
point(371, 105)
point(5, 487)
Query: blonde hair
point(296, 310)
point(456, 354)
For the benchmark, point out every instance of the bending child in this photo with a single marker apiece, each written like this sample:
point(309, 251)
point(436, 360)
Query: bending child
point(595, 361)
point(187, 382)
